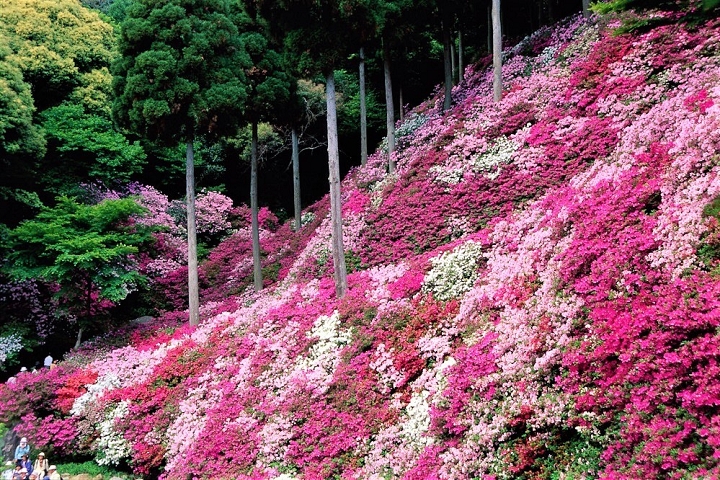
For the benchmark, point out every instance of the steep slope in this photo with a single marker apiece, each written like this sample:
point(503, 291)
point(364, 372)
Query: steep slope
point(535, 294)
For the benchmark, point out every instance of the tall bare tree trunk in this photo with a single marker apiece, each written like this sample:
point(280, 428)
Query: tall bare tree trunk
point(389, 107)
point(461, 67)
point(452, 58)
point(446, 60)
point(78, 339)
point(255, 229)
point(586, 8)
point(193, 290)
point(497, 51)
point(338, 251)
point(401, 109)
point(363, 111)
point(541, 8)
point(296, 179)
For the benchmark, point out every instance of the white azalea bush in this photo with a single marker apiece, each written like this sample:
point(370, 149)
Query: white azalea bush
point(111, 443)
point(10, 345)
point(453, 273)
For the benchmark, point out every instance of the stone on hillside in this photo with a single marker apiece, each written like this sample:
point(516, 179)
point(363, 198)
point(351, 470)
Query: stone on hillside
point(82, 476)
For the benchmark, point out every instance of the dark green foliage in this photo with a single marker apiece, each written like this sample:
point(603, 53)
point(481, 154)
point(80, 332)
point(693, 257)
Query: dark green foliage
point(116, 10)
point(269, 85)
point(21, 141)
point(270, 272)
point(712, 209)
point(270, 143)
point(318, 35)
point(348, 97)
point(694, 14)
point(622, 5)
point(55, 86)
point(18, 135)
point(182, 70)
point(353, 262)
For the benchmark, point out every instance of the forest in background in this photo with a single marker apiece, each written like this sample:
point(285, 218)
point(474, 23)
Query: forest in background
point(67, 73)
point(59, 137)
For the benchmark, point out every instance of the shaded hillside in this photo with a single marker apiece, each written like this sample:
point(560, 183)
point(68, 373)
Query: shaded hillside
point(535, 294)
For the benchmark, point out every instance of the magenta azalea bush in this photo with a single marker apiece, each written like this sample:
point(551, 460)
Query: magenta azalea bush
point(534, 295)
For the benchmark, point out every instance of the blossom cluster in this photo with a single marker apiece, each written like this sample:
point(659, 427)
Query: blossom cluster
point(453, 273)
point(9, 345)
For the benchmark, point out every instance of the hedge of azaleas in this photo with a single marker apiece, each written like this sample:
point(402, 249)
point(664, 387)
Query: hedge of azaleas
point(535, 294)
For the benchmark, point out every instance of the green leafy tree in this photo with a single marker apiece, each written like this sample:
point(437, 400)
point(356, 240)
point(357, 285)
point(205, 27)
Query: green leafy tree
point(63, 51)
point(55, 42)
point(348, 104)
point(269, 91)
point(181, 76)
point(86, 250)
point(86, 146)
point(19, 137)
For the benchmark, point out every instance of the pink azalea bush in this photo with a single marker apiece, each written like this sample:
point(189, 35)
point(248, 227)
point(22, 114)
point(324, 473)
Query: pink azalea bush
point(534, 294)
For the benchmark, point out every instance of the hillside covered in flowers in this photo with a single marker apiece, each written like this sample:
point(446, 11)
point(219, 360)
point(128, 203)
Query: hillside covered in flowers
point(535, 294)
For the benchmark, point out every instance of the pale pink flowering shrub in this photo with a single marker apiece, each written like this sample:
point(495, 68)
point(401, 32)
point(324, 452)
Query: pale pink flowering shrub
point(213, 210)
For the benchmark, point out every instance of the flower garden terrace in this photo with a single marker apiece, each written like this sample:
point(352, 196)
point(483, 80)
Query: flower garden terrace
point(534, 294)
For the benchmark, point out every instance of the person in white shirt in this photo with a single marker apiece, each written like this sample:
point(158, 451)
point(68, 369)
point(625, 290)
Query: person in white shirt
point(48, 361)
point(52, 473)
point(41, 464)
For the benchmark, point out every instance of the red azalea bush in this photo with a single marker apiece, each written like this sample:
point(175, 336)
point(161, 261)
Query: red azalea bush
point(74, 386)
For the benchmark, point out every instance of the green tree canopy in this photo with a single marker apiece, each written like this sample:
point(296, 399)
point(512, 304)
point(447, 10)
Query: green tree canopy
point(19, 136)
point(55, 92)
point(54, 42)
point(85, 145)
point(87, 250)
point(182, 70)
point(269, 84)
point(348, 104)
point(269, 91)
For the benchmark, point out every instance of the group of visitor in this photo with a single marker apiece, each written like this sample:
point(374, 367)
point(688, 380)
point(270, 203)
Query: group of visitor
point(49, 363)
point(25, 469)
